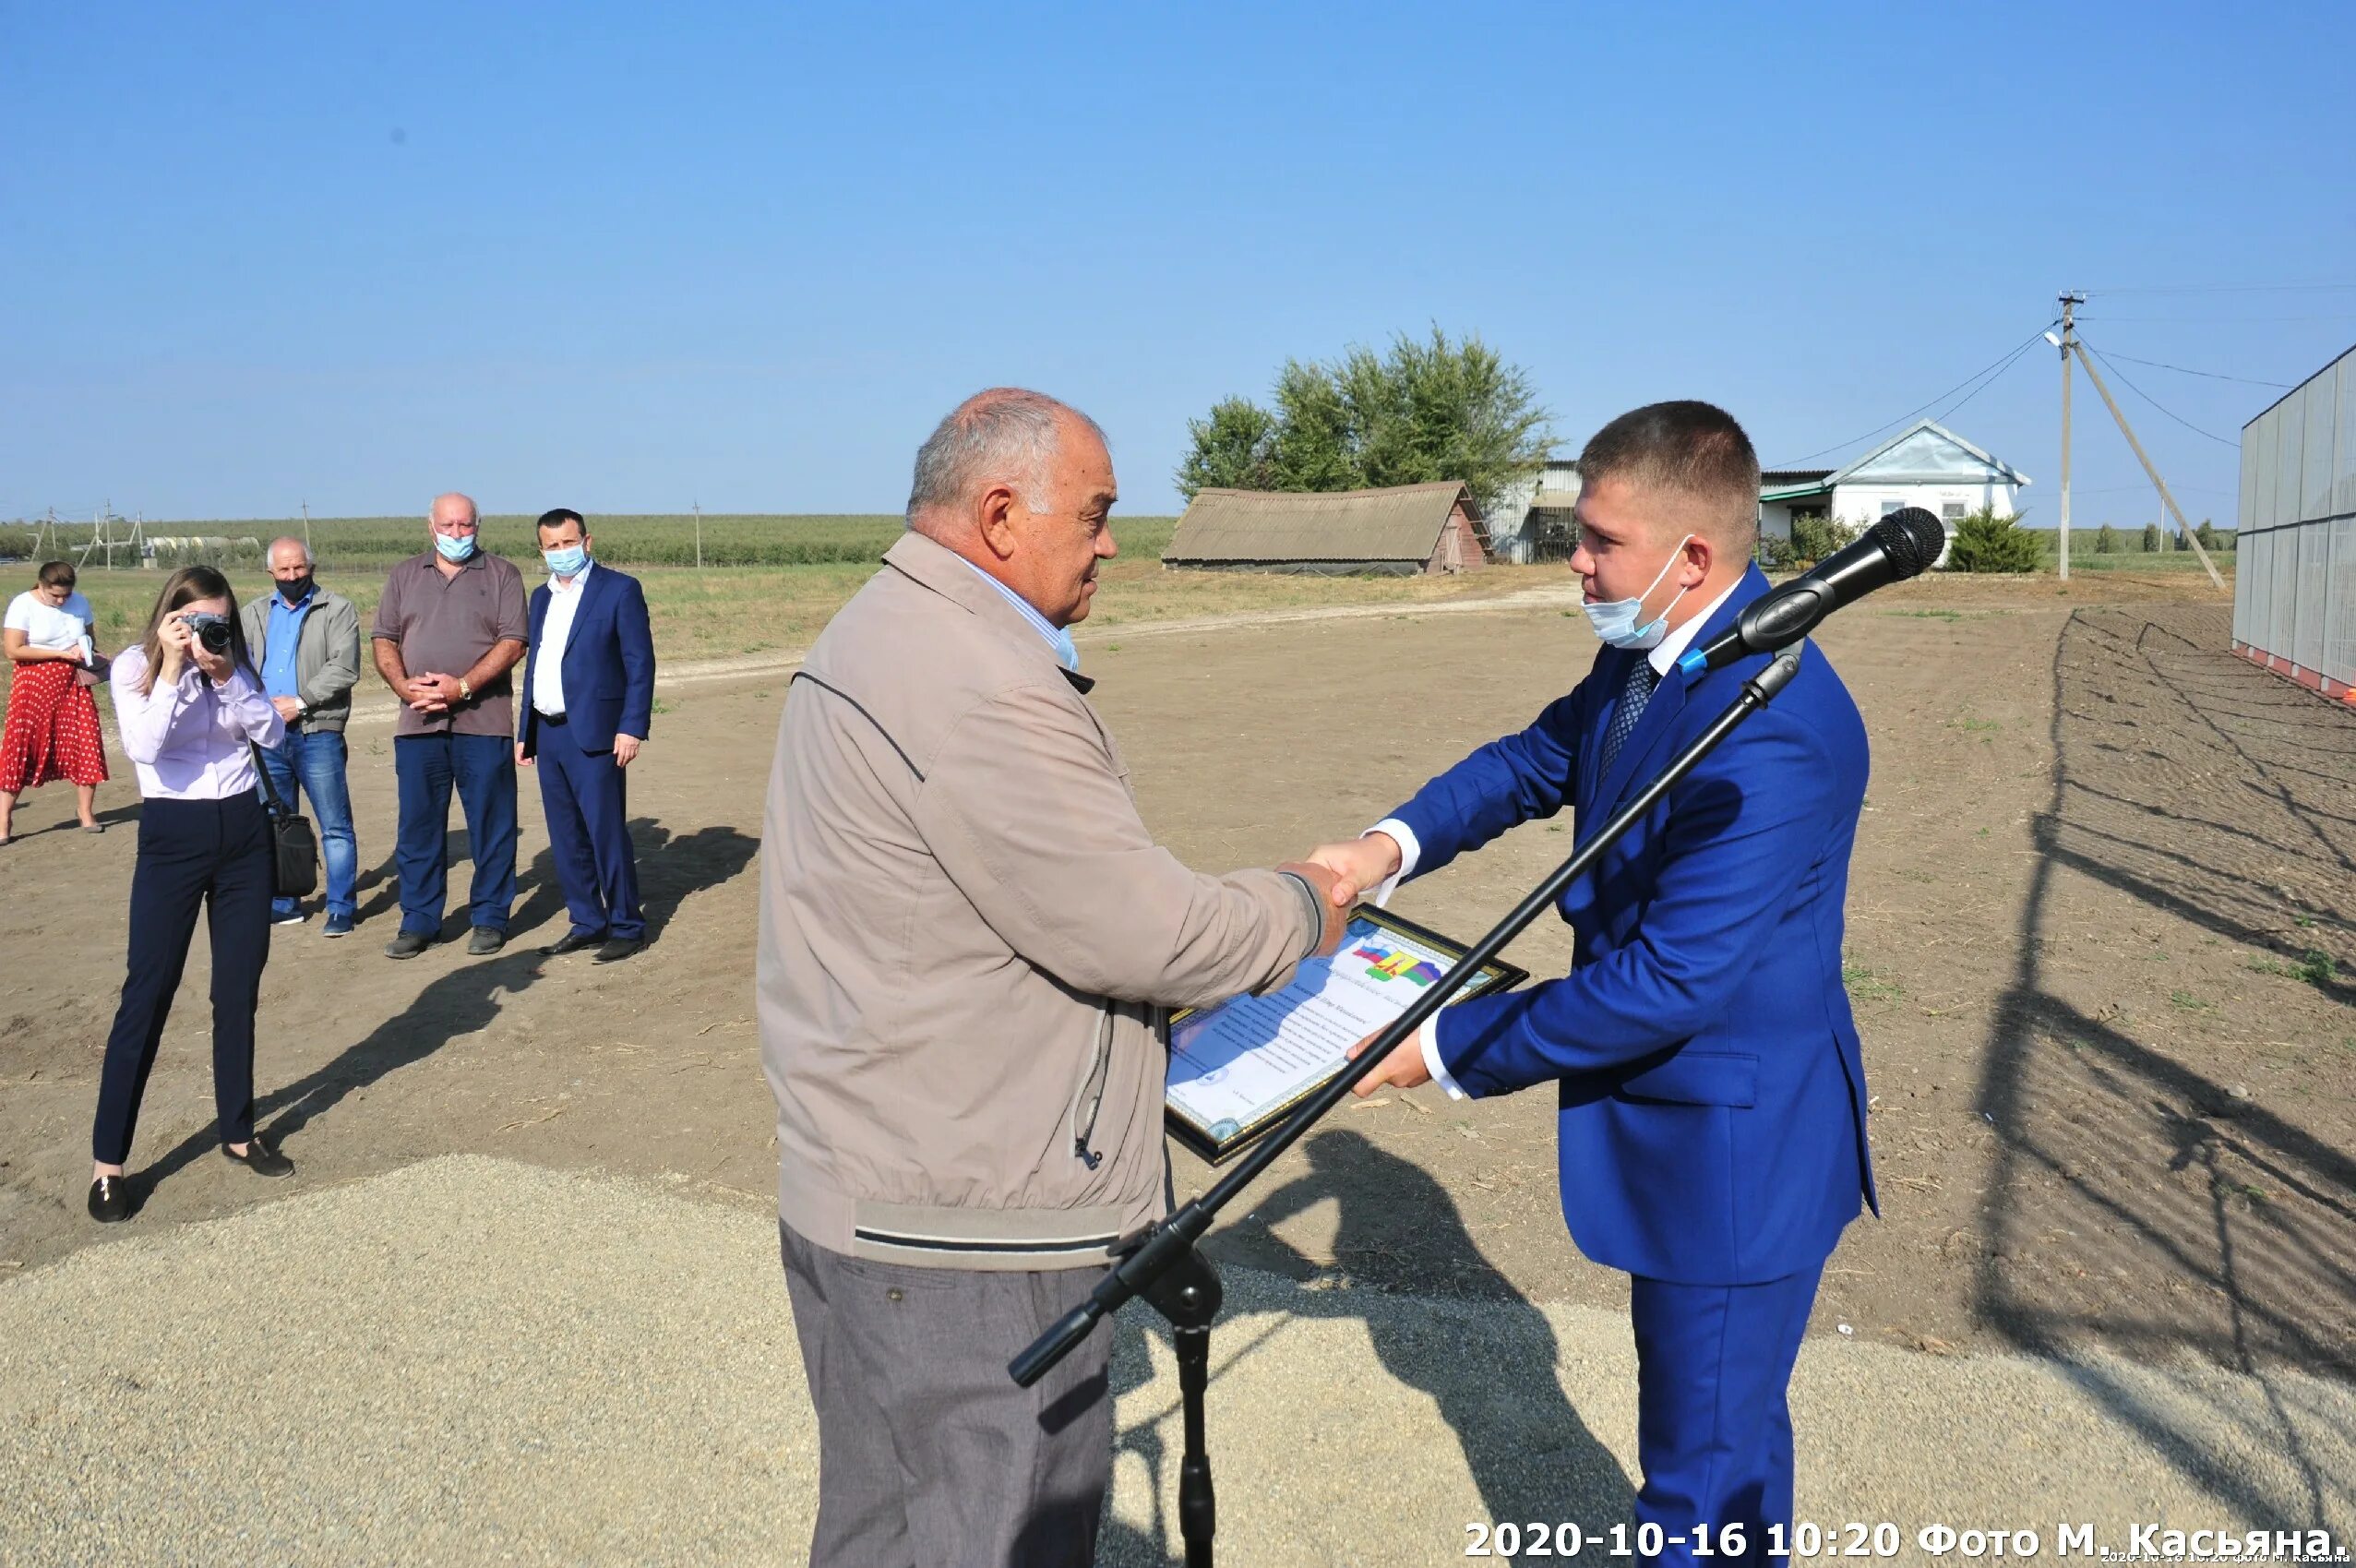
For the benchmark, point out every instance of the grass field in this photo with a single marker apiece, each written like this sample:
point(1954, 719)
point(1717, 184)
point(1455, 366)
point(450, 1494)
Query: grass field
point(2082, 557)
point(771, 583)
point(353, 543)
point(764, 605)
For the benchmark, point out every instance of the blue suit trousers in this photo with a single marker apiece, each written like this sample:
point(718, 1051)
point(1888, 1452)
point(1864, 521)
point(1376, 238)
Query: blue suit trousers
point(585, 798)
point(1713, 1422)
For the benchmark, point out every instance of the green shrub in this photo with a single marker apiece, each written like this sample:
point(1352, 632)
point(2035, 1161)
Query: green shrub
point(1814, 538)
point(1773, 553)
point(2153, 543)
point(2106, 541)
point(1988, 541)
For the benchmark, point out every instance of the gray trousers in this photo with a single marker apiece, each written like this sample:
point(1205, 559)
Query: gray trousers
point(930, 1456)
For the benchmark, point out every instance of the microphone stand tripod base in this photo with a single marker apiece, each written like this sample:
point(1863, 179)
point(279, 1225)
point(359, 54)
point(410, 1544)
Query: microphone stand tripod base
point(1188, 1295)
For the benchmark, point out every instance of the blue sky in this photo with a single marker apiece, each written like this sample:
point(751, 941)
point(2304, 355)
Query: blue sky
point(620, 258)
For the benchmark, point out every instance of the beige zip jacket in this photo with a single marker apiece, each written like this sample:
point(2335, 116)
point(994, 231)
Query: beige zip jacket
point(969, 941)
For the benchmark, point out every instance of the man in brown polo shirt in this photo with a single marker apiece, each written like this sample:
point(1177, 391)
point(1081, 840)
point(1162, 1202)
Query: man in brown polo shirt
point(452, 622)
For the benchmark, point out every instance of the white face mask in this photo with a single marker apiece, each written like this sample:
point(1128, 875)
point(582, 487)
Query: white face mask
point(1614, 620)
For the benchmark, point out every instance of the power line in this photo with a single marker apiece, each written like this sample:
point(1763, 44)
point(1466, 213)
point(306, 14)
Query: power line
point(1950, 409)
point(1995, 370)
point(2228, 289)
point(2154, 402)
point(2211, 375)
point(2213, 320)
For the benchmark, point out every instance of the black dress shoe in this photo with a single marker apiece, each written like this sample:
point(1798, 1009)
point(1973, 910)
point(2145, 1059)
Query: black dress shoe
point(616, 951)
point(111, 1199)
point(487, 941)
point(571, 942)
point(409, 944)
point(260, 1158)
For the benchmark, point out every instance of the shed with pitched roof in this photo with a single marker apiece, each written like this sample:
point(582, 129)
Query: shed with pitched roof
point(1402, 531)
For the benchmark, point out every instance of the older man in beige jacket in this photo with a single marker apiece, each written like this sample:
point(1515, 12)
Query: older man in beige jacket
point(969, 944)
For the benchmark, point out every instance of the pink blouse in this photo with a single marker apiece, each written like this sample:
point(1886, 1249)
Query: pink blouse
point(187, 741)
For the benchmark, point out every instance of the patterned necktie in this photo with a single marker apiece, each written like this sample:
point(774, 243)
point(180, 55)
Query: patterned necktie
point(1634, 693)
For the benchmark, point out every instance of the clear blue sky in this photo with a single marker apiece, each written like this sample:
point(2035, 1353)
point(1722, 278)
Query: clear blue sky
point(618, 257)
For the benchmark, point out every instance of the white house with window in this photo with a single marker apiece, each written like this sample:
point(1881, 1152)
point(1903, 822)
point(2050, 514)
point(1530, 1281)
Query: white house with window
point(1927, 466)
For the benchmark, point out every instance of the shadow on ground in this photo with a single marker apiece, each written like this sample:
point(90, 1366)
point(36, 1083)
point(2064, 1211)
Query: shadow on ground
point(470, 996)
point(1526, 1446)
point(2216, 793)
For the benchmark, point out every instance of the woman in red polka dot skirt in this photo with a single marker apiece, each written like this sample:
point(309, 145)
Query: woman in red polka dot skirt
point(51, 729)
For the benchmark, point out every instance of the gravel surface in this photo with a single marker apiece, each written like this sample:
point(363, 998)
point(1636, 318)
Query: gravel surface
point(475, 1361)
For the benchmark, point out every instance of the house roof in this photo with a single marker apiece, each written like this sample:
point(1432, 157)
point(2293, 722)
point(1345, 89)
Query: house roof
point(1402, 523)
point(1923, 450)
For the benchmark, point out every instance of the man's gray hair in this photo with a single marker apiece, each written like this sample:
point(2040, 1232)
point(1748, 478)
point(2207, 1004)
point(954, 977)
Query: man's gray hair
point(270, 557)
point(1004, 435)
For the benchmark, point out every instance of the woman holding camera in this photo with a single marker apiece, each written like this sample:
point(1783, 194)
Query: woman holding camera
point(52, 730)
point(191, 709)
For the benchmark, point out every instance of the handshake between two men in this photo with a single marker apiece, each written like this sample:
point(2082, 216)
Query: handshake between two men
point(1344, 872)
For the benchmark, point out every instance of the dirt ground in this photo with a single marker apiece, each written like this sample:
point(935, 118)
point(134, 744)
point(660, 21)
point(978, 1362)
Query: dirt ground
point(2101, 927)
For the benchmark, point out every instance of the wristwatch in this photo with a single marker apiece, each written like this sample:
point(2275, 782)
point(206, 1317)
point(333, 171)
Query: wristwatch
point(465, 692)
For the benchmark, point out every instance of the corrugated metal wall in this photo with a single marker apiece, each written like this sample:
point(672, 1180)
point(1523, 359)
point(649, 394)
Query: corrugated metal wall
point(2294, 595)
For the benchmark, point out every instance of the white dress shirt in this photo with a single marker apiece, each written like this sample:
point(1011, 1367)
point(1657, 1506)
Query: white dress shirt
point(1663, 658)
point(548, 658)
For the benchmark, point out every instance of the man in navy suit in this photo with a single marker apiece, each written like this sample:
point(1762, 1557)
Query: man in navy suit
point(588, 702)
point(1712, 1095)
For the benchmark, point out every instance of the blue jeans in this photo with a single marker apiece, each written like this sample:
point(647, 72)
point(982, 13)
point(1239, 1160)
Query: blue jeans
point(317, 761)
point(482, 767)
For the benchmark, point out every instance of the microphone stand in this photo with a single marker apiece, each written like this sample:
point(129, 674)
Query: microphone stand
point(1181, 1284)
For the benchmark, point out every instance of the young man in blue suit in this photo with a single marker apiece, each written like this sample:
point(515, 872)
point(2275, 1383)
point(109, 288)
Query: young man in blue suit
point(588, 703)
point(1712, 1095)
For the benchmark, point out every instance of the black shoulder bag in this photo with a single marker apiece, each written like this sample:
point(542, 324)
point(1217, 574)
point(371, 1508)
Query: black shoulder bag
point(294, 869)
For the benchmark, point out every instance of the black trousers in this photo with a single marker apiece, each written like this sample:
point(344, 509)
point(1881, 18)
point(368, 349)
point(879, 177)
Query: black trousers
point(216, 853)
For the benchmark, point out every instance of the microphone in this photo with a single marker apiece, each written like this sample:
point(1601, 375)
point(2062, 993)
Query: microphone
point(1902, 545)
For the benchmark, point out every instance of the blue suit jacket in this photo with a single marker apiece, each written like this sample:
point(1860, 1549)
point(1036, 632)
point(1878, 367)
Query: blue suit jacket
point(1713, 1095)
point(608, 664)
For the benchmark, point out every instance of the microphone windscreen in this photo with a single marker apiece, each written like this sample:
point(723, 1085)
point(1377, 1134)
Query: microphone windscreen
point(1913, 539)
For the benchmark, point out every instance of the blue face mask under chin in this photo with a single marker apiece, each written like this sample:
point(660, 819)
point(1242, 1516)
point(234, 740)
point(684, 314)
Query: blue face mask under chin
point(1614, 620)
point(454, 549)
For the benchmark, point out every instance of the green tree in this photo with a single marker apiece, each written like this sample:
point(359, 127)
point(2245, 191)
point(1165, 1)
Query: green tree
point(1429, 408)
point(1233, 449)
point(1317, 438)
point(1989, 541)
point(2106, 541)
point(1813, 537)
point(2153, 543)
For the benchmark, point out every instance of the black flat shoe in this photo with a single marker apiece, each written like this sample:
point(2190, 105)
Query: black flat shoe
point(409, 944)
point(571, 942)
point(487, 941)
point(616, 951)
point(260, 1158)
point(111, 1199)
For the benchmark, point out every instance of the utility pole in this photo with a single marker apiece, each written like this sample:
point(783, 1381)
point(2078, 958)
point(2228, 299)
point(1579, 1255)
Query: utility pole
point(2158, 483)
point(2070, 302)
point(698, 536)
point(306, 528)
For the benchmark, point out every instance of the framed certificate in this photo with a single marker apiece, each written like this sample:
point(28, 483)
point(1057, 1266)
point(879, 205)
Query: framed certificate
point(1239, 1068)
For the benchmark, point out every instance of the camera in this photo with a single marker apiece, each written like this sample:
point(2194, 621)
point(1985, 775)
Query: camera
point(210, 630)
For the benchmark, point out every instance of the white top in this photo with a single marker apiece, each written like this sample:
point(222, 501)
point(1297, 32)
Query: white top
point(189, 741)
point(65, 628)
point(1663, 657)
point(548, 658)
